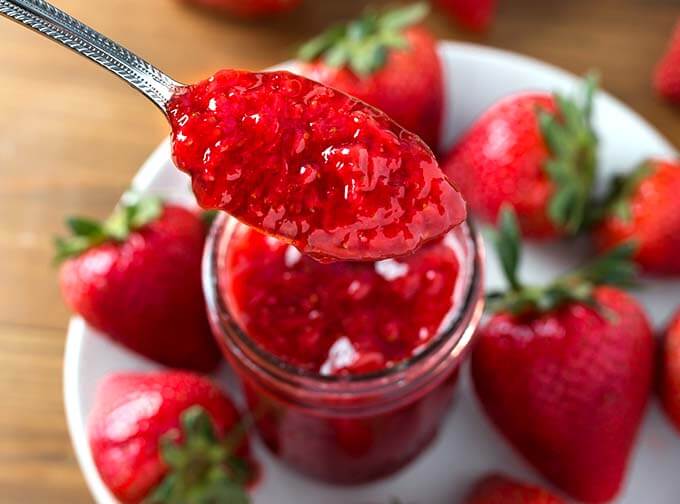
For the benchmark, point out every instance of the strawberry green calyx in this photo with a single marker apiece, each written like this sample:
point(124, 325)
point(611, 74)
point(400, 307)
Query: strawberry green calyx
point(573, 144)
point(201, 468)
point(208, 217)
point(614, 268)
point(364, 44)
point(88, 233)
point(623, 187)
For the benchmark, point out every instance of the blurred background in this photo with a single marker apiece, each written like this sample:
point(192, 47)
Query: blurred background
point(72, 137)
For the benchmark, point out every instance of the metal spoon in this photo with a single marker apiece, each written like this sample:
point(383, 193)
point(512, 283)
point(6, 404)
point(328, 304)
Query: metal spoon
point(57, 25)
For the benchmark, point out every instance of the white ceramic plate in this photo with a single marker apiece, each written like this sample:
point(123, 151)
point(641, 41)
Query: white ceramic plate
point(467, 447)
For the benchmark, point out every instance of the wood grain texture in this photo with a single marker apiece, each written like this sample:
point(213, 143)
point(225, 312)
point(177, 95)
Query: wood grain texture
point(71, 137)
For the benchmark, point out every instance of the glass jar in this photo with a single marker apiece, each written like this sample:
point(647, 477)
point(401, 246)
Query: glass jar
point(356, 428)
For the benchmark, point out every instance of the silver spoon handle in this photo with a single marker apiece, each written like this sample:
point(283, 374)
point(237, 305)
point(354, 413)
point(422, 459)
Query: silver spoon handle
point(55, 24)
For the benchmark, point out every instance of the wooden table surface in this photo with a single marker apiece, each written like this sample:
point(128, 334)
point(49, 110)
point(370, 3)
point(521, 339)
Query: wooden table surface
point(71, 137)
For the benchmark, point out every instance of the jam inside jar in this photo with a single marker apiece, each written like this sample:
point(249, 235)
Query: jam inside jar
point(348, 368)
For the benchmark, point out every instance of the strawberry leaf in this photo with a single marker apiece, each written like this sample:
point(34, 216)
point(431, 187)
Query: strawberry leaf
point(398, 19)
point(117, 227)
point(338, 55)
point(507, 241)
point(87, 233)
point(572, 144)
point(197, 425)
point(622, 189)
point(363, 45)
point(222, 490)
point(395, 40)
point(202, 469)
point(373, 56)
point(208, 217)
point(163, 492)
point(70, 247)
point(319, 45)
point(144, 212)
point(614, 268)
point(81, 226)
point(171, 452)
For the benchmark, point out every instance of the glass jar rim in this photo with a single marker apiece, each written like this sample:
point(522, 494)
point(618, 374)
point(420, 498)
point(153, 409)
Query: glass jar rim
point(248, 348)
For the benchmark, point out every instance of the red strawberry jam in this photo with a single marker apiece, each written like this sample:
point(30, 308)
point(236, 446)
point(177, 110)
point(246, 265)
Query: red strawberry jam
point(310, 165)
point(337, 318)
point(349, 367)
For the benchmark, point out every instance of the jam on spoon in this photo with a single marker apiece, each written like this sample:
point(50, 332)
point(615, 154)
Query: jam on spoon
point(293, 158)
point(310, 165)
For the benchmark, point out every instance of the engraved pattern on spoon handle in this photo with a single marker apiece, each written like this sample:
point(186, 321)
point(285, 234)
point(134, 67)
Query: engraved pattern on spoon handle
point(59, 26)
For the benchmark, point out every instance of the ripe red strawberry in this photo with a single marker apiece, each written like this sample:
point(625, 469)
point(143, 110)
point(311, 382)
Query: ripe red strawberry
point(564, 371)
point(249, 8)
point(168, 437)
point(475, 15)
point(670, 376)
point(667, 73)
point(386, 61)
point(644, 208)
point(497, 489)
point(535, 152)
point(137, 278)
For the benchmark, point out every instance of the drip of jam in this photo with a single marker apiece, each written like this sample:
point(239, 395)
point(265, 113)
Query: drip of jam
point(341, 317)
point(310, 165)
